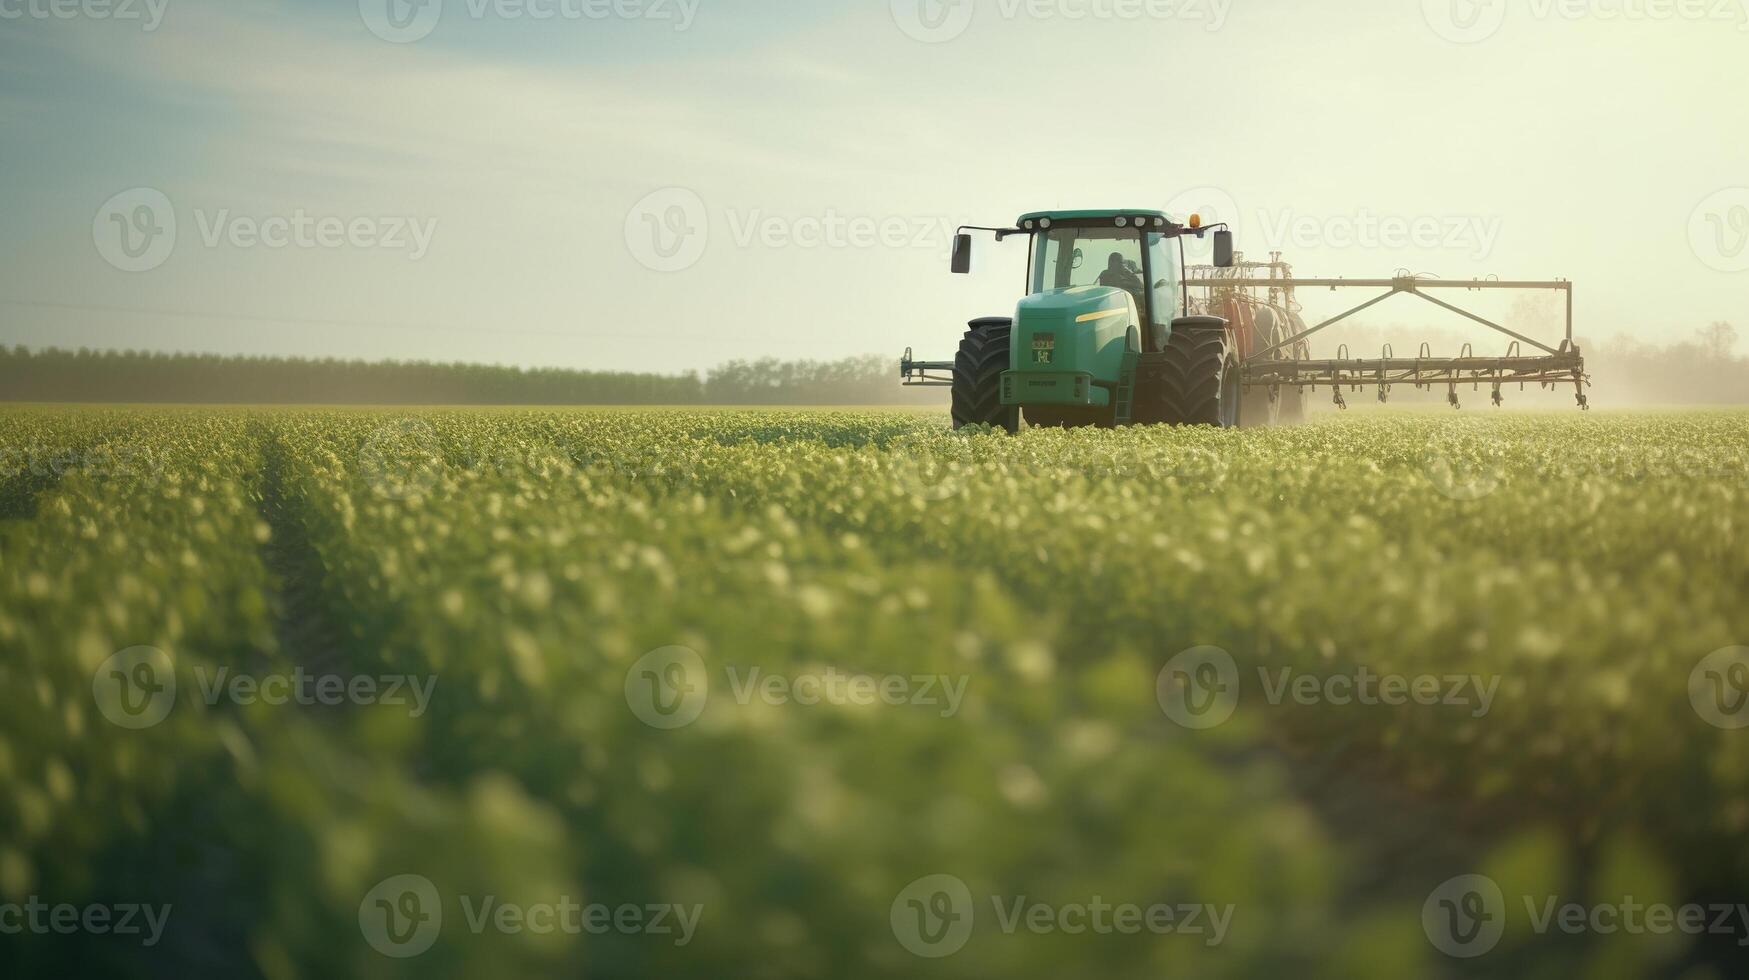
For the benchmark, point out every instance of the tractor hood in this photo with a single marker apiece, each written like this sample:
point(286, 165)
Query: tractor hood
point(1077, 300)
point(1081, 331)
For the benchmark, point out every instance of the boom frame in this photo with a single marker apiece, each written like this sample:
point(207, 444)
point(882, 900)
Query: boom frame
point(1559, 364)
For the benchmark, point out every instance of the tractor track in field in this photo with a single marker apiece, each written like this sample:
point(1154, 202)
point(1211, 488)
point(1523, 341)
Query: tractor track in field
point(307, 634)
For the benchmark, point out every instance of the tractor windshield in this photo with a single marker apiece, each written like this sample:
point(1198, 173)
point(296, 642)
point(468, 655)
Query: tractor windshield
point(1065, 257)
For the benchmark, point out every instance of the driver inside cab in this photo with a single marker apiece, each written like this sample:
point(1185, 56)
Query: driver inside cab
point(1119, 273)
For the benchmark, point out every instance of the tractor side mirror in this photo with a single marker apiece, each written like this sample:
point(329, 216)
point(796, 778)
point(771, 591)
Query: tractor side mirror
point(1075, 263)
point(1223, 249)
point(962, 254)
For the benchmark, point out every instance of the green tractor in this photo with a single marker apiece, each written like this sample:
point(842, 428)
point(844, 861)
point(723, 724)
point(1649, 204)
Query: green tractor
point(1104, 335)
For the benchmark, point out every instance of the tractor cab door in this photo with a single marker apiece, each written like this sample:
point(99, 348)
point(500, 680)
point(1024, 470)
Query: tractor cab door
point(1163, 289)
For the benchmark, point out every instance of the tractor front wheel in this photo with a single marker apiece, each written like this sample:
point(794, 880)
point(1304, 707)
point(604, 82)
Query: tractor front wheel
point(977, 377)
point(1195, 380)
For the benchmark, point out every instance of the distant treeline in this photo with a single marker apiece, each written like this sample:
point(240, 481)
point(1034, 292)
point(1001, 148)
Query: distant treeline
point(54, 375)
point(1705, 370)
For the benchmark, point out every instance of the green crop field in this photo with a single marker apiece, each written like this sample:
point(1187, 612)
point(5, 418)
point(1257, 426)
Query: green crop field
point(844, 694)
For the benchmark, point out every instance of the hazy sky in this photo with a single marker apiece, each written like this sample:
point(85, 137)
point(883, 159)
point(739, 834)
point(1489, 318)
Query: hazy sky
point(666, 184)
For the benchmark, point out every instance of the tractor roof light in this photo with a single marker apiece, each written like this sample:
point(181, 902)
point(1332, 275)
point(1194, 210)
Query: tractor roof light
point(1122, 222)
point(1044, 222)
point(1196, 221)
point(1028, 224)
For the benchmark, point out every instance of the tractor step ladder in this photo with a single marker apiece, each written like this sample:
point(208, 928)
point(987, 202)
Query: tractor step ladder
point(1124, 397)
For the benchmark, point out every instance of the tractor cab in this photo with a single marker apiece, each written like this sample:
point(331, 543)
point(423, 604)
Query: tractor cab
point(1096, 251)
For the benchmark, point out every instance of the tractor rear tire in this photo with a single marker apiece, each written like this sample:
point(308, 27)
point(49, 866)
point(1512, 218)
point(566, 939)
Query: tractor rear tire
point(1195, 381)
point(977, 377)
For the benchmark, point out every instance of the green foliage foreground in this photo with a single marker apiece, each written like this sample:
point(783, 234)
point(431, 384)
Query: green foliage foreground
point(848, 695)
